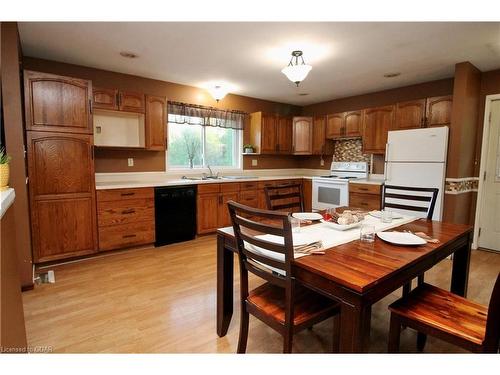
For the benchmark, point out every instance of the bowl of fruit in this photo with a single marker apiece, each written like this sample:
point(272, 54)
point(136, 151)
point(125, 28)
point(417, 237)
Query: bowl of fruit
point(344, 220)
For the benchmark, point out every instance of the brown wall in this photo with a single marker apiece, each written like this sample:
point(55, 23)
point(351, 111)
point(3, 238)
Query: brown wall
point(14, 140)
point(380, 98)
point(116, 161)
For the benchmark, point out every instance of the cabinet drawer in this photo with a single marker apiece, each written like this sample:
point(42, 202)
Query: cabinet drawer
point(249, 198)
point(230, 187)
point(208, 188)
point(264, 184)
point(364, 201)
point(126, 235)
point(125, 211)
point(249, 186)
point(288, 182)
point(364, 188)
point(121, 194)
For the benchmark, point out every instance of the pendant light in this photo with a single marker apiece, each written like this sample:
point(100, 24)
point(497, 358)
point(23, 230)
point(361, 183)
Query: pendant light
point(296, 71)
point(217, 92)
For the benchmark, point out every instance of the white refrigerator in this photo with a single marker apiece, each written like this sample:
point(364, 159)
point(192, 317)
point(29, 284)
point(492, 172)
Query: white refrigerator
point(417, 158)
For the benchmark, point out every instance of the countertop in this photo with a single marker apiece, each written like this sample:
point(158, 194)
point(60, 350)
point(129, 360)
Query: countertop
point(375, 179)
point(103, 185)
point(6, 199)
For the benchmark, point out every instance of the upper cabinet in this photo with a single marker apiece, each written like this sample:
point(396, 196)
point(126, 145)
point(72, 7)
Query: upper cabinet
point(115, 100)
point(156, 120)
point(271, 133)
point(302, 135)
point(414, 114)
point(57, 103)
point(438, 111)
point(320, 145)
point(410, 115)
point(376, 124)
point(344, 124)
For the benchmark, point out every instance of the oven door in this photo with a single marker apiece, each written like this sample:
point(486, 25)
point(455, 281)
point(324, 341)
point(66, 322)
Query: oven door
point(329, 194)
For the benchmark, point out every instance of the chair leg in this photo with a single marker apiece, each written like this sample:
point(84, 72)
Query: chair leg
point(242, 340)
point(421, 340)
point(394, 335)
point(288, 341)
point(336, 334)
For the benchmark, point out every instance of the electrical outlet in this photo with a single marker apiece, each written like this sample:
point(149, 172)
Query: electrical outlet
point(130, 162)
point(254, 162)
point(322, 162)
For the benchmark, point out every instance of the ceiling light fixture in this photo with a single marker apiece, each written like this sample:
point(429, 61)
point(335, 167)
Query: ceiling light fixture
point(295, 71)
point(128, 55)
point(218, 92)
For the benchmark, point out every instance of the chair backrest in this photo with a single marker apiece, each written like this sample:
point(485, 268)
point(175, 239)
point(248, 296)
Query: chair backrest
point(269, 258)
point(418, 199)
point(491, 341)
point(285, 198)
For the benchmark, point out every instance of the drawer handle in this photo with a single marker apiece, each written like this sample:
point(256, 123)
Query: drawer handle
point(129, 211)
point(129, 235)
point(361, 188)
point(364, 204)
point(125, 194)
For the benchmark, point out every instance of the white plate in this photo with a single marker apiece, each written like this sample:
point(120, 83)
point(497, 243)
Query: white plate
point(341, 227)
point(307, 215)
point(378, 214)
point(401, 238)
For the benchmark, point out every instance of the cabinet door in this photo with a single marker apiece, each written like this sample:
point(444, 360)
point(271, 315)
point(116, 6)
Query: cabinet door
point(302, 135)
point(335, 125)
point(131, 101)
point(438, 111)
point(207, 209)
point(319, 135)
point(249, 198)
point(268, 134)
point(284, 135)
point(376, 125)
point(57, 103)
point(105, 98)
point(156, 123)
point(410, 115)
point(307, 193)
point(62, 195)
point(353, 123)
point(224, 219)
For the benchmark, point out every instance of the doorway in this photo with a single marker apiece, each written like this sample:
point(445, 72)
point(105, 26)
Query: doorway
point(488, 215)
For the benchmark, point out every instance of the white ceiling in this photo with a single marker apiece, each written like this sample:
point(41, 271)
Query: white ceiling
point(347, 58)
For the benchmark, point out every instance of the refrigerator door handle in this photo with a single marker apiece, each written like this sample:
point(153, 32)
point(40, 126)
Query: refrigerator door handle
point(387, 151)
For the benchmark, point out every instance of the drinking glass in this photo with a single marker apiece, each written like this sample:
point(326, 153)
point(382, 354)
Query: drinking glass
point(295, 224)
point(367, 233)
point(386, 216)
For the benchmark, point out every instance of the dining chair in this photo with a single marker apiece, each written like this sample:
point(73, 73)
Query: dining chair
point(449, 317)
point(281, 302)
point(286, 197)
point(416, 199)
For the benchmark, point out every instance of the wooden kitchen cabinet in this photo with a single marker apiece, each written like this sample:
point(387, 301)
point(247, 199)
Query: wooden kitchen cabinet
point(320, 145)
point(126, 217)
point(302, 135)
point(207, 208)
point(62, 197)
point(365, 196)
point(438, 111)
point(410, 115)
point(105, 98)
point(344, 124)
point(271, 133)
point(131, 101)
point(57, 103)
point(307, 192)
point(376, 124)
point(156, 122)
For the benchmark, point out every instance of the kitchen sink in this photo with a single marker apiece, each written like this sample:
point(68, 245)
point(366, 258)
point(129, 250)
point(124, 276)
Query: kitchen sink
point(238, 177)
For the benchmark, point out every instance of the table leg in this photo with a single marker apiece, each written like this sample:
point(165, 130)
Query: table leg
point(354, 328)
point(225, 271)
point(460, 271)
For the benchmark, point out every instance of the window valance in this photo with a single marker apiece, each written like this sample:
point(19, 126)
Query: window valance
point(182, 113)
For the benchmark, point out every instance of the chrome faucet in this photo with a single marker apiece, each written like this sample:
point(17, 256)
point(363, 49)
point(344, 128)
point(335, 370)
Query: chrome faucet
point(212, 175)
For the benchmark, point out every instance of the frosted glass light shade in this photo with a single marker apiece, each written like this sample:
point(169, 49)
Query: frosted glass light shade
point(296, 73)
point(218, 92)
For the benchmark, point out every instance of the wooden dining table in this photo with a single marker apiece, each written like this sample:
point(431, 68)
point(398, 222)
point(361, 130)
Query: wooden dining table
point(358, 274)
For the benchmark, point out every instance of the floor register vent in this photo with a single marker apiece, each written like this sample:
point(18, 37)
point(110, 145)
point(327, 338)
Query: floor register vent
point(48, 277)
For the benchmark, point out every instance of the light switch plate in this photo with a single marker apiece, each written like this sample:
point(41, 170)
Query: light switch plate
point(130, 162)
point(254, 162)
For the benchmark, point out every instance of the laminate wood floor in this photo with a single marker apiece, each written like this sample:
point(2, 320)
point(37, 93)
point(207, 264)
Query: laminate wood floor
point(162, 300)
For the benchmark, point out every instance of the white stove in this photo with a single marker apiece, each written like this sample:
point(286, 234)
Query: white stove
point(332, 190)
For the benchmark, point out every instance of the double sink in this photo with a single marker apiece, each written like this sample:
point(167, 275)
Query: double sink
point(207, 178)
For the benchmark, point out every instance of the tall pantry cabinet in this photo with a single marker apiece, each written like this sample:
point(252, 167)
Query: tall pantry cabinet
point(59, 136)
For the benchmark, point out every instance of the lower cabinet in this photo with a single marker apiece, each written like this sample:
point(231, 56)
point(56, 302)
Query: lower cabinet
point(126, 217)
point(307, 193)
point(365, 196)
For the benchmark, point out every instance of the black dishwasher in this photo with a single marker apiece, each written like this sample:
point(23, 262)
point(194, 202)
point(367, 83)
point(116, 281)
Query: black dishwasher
point(175, 214)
